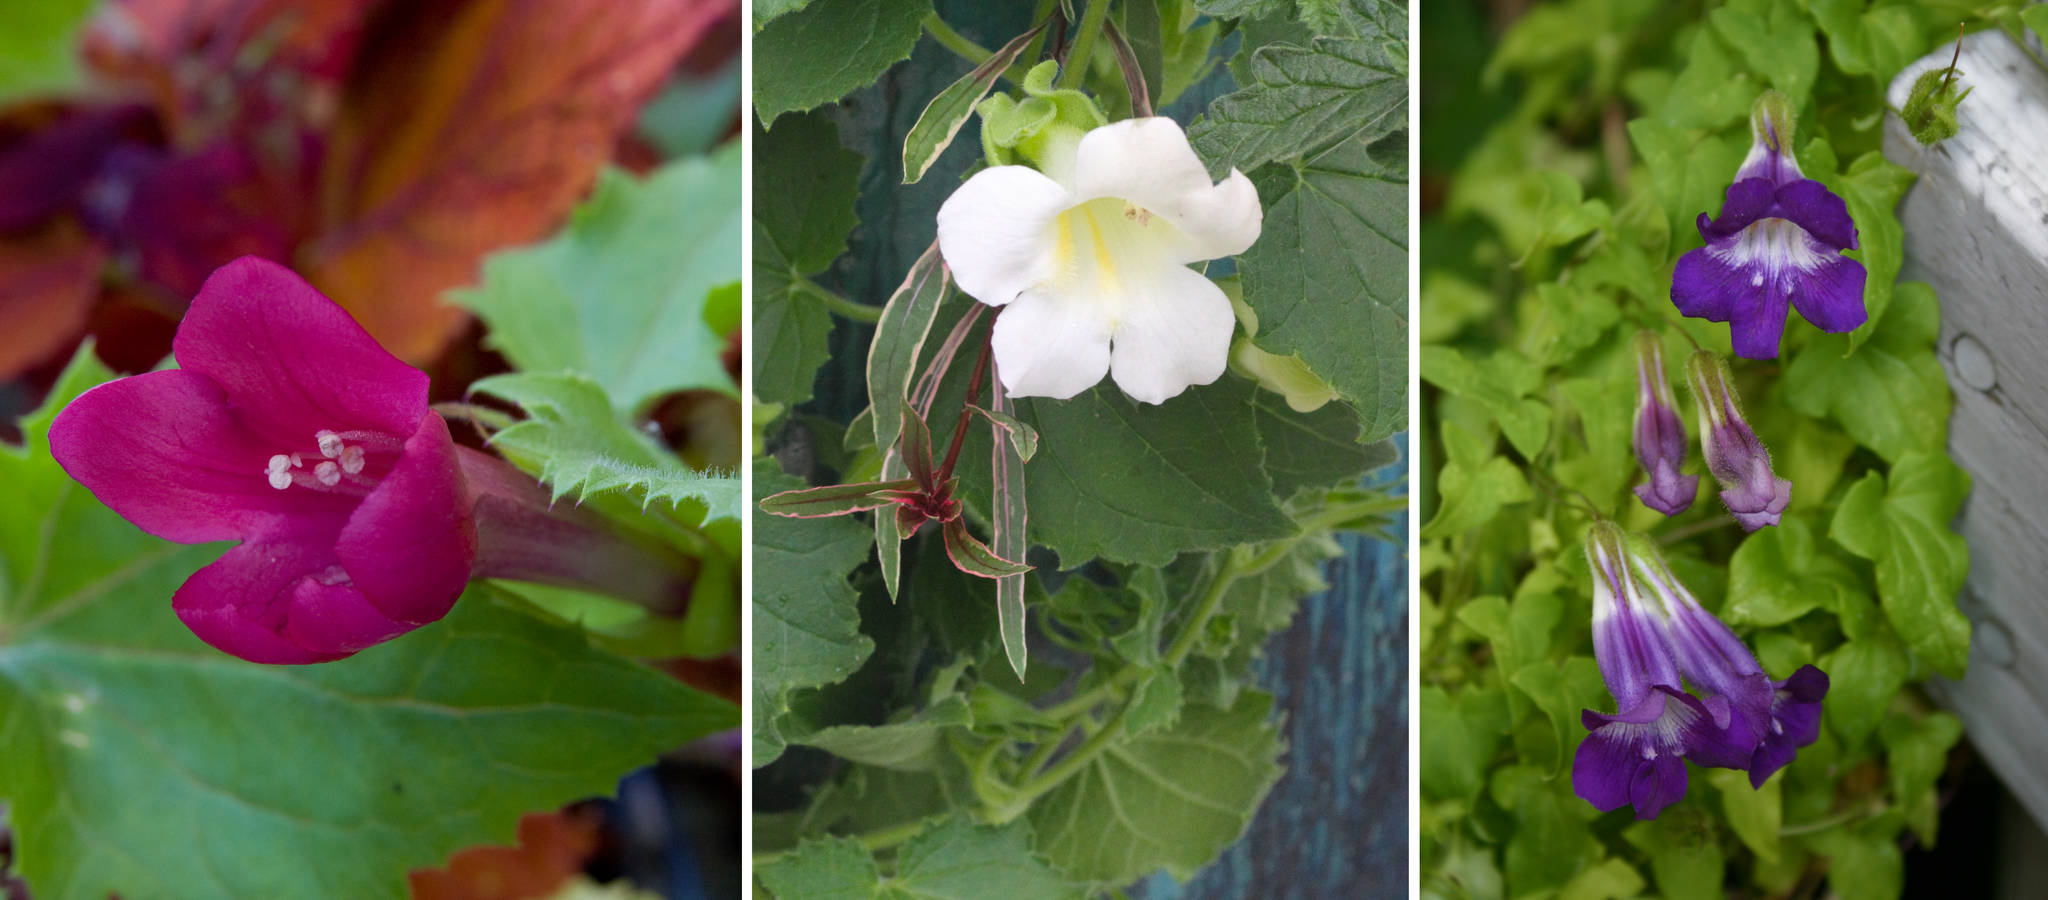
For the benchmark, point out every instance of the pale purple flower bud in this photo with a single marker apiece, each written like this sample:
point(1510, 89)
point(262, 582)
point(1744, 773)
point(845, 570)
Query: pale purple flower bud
point(1755, 496)
point(1659, 436)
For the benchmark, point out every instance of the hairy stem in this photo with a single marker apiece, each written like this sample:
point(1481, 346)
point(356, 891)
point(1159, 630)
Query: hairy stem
point(1084, 43)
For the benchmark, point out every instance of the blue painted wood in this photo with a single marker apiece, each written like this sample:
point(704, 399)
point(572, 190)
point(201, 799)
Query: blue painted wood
point(1335, 826)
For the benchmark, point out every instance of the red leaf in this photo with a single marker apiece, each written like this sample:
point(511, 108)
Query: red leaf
point(471, 127)
point(835, 499)
point(974, 557)
point(48, 280)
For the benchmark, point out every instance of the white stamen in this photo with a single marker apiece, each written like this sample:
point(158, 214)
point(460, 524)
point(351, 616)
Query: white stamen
point(351, 459)
point(1649, 752)
point(298, 462)
point(1776, 727)
point(1756, 280)
point(280, 479)
point(330, 443)
point(279, 463)
point(328, 473)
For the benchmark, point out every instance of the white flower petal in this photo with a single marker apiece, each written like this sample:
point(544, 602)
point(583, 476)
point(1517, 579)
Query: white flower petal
point(1148, 162)
point(1051, 345)
point(1174, 332)
point(994, 231)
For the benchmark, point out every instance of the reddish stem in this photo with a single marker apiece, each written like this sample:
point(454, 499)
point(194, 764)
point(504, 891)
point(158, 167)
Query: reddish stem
point(966, 406)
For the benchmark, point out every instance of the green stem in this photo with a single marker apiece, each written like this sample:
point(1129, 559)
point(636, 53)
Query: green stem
point(1234, 567)
point(1084, 43)
point(1037, 46)
point(859, 312)
point(1072, 764)
point(961, 45)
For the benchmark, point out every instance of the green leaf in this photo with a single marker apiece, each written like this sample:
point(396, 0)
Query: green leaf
point(1314, 450)
point(1779, 574)
point(1022, 438)
point(955, 860)
point(572, 441)
point(1776, 42)
point(219, 778)
point(1502, 383)
point(767, 10)
point(804, 189)
point(834, 868)
point(1473, 485)
point(1460, 739)
point(1890, 394)
point(806, 615)
point(625, 294)
point(912, 745)
point(899, 341)
point(39, 47)
point(1008, 518)
point(1183, 794)
point(1303, 100)
point(1863, 863)
point(2036, 20)
point(1155, 703)
point(824, 51)
point(1754, 814)
point(1685, 854)
point(1562, 691)
point(1863, 677)
point(1903, 527)
point(1916, 751)
point(1877, 41)
point(1611, 879)
point(1329, 277)
point(1132, 482)
point(941, 120)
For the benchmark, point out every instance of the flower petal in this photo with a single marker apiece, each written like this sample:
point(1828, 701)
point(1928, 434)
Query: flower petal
point(1051, 345)
point(1831, 295)
point(1704, 286)
point(1174, 332)
point(1658, 783)
point(164, 450)
point(1747, 200)
point(280, 602)
point(291, 361)
point(411, 545)
point(1811, 206)
point(1148, 162)
point(995, 232)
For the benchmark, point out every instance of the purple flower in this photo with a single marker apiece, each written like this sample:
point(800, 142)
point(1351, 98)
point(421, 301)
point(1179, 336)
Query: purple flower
point(1776, 245)
point(1794, 722)
point(1660, 436)
point(1636, 756)
point(289, 429)
point(1755, 496)
point(1710, 656)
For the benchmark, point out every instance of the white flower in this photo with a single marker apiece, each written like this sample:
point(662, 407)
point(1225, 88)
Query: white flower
point(1091, 258)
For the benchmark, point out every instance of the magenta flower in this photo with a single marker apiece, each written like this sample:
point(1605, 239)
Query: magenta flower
point(290, 430)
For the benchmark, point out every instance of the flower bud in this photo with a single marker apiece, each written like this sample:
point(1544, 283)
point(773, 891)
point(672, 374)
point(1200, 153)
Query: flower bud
point(1755, 496)
point(1659, 435)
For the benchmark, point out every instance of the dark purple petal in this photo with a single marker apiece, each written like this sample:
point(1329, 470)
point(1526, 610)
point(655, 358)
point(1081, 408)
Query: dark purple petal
point(1706, 287)
point(411, 545)
point(1658, 783)
point(1831, 294)
point(164, 451)
point(1747, 201)
point(1758, 324)
point(291, 361)
point(1635, 757)
point(280, 602)
point(1795, 722)
point(1816, 210)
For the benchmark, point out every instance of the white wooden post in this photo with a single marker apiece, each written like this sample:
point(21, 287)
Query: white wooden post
point(1976, 226)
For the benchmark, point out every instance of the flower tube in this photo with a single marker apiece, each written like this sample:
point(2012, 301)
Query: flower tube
point(1659, 434)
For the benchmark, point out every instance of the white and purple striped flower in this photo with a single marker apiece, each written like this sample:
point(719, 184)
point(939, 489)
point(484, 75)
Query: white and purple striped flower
point(1636, 756)
point(1755, 495)
point(1777, 245)
point(1660, 436)
point(1649, 632)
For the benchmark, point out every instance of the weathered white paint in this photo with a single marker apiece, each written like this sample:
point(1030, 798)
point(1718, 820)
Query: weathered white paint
point(1976, 225)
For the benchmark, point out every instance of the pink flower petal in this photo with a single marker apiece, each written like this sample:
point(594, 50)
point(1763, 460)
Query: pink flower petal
point(280, 602)
point(412, 543)
point(291, 361)
point(164, 451)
